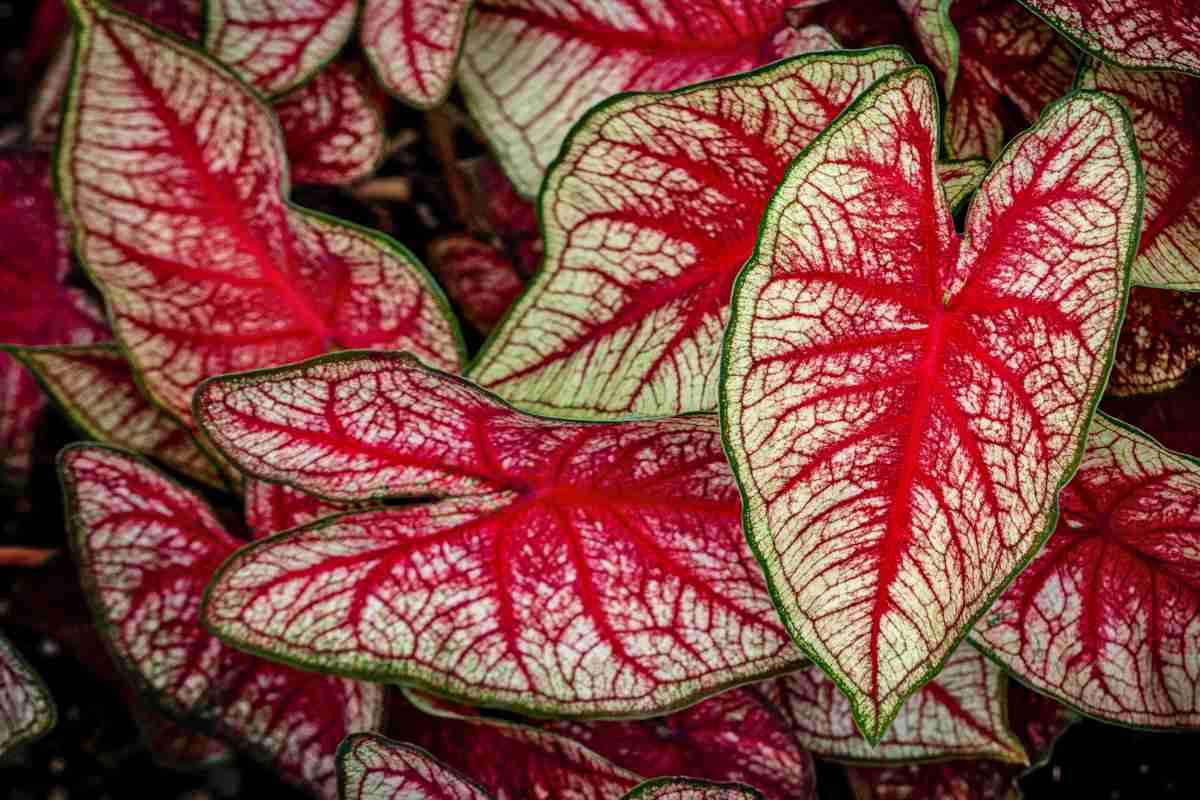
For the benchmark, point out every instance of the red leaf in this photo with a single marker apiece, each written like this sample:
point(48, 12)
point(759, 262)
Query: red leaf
point(206, 267)
point(648, 214)
point(26, 709)
point(171, 744)
point(277, 46)
point(478, 277)
point(46, 30)
point(145, 548)
point(1143, 34)
point(901, 404)
point(1105, 618)
point(1164, 107)
point(735, 736)
point(413, 46)
point(333, 131)
point(374, 768)
point(272, 507)
point(1160, 341)
point(530, 70)
point(582, 569)
point(691, 789)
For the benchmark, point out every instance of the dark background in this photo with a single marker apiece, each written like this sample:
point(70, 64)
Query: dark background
point(95, 752)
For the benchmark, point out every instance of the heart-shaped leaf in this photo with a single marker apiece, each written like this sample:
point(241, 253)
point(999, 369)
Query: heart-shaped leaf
point(1163, 106)
point(413, 46)
point(145, 547)
point(648, 214)
point(95, 387)
point(277, 46)
point(1105, 618)
point(958, 714)
point(901, 404)
point(332, 130)
point(26, 709)
point(1160, 341)
point(530, 70)
point(206, 267)
point(578, 568)
point(691, 789)
point(734, 736)
point(479, 278)
point(273, 507)
point(374, 768)
point(1142, 34)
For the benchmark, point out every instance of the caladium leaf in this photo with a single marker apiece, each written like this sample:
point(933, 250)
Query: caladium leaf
point(734, 736)
point(374, 768)
point(273, 507)
point(901, 404)
point(145, 547)
point(691, 789)
point(1163, 106)
point(332, 129)
point(960, 178)
point(171, 744)
point(648, 214)
point(277, 46)
point(1107, 617)
point(530, 70)
point(478, 277)
point(631, 528)
point(26, 709)
point(1142, 34)
point(206, 267)
point(958, 714)
point(1160, 341)
point(95, 387)
point(413, 46)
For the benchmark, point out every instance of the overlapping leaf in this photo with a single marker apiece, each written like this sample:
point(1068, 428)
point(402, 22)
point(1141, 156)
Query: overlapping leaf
point(413, 45)
point(1160, 341)
point(478, 277)
point(1107, 617)
point(530, 69)
point(1163, 106)
point(691, 789)
point(1143, 34)
point(94, 385)
point(277, 46)
point(648, 214)
point(577, 568)
point(173, 745)
point(26, 708)
point(736, 736)
point(205, 266)
point(374, 768)
point(273, 507)
point(145, 548)
point(960, 178)
point(901, 405)
point(959, 714)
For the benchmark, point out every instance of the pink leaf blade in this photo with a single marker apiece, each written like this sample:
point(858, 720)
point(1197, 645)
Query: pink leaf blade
point(691, 789)
point(480, 278)
point(27, 711)
point(273, 507)
point(1159, 344)
point(880, 406)
point(374, 768)
point(1103, 617)
point(414, 45)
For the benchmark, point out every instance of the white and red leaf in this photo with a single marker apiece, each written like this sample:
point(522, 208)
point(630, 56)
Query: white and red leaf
point(735, 736)
point(95, 387)
point(1160, 341)
point(332, 130)
point(478, 277)
point(691, 789)
point(27, 711)
point(413, 46)
point(145, 547)
point(206, 267)
point(1141, 34)
point(960, 178)
point(273, 507)
point(276, 46)
point(580, 568)
point(958, 714)
point(1163, 107)
point(371, 767)
point(530, 69)
point(1107, 616)
point(648, 214)
point(901, 404)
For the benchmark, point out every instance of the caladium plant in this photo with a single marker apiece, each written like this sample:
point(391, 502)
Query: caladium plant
point(26, 709)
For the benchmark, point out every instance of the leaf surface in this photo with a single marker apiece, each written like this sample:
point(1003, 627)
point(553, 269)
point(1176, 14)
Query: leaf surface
point(1142, 34)
point(648, 214)
point(374, 768)
point(576, 568)
point(530, 69)
point(480, 278)
point(276, 46)
point(960, 178)
point(1163, 106)
point(26, 709)
point(413, 46)
point(145, 547)
point(1159, 344)
point(1107, 617)
point(205, 266)
point(691, 789)
point(735, 736)
point(900, 404)
point(331, 128)
point(273, 507)
point(171, 744)
point(958, 714)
